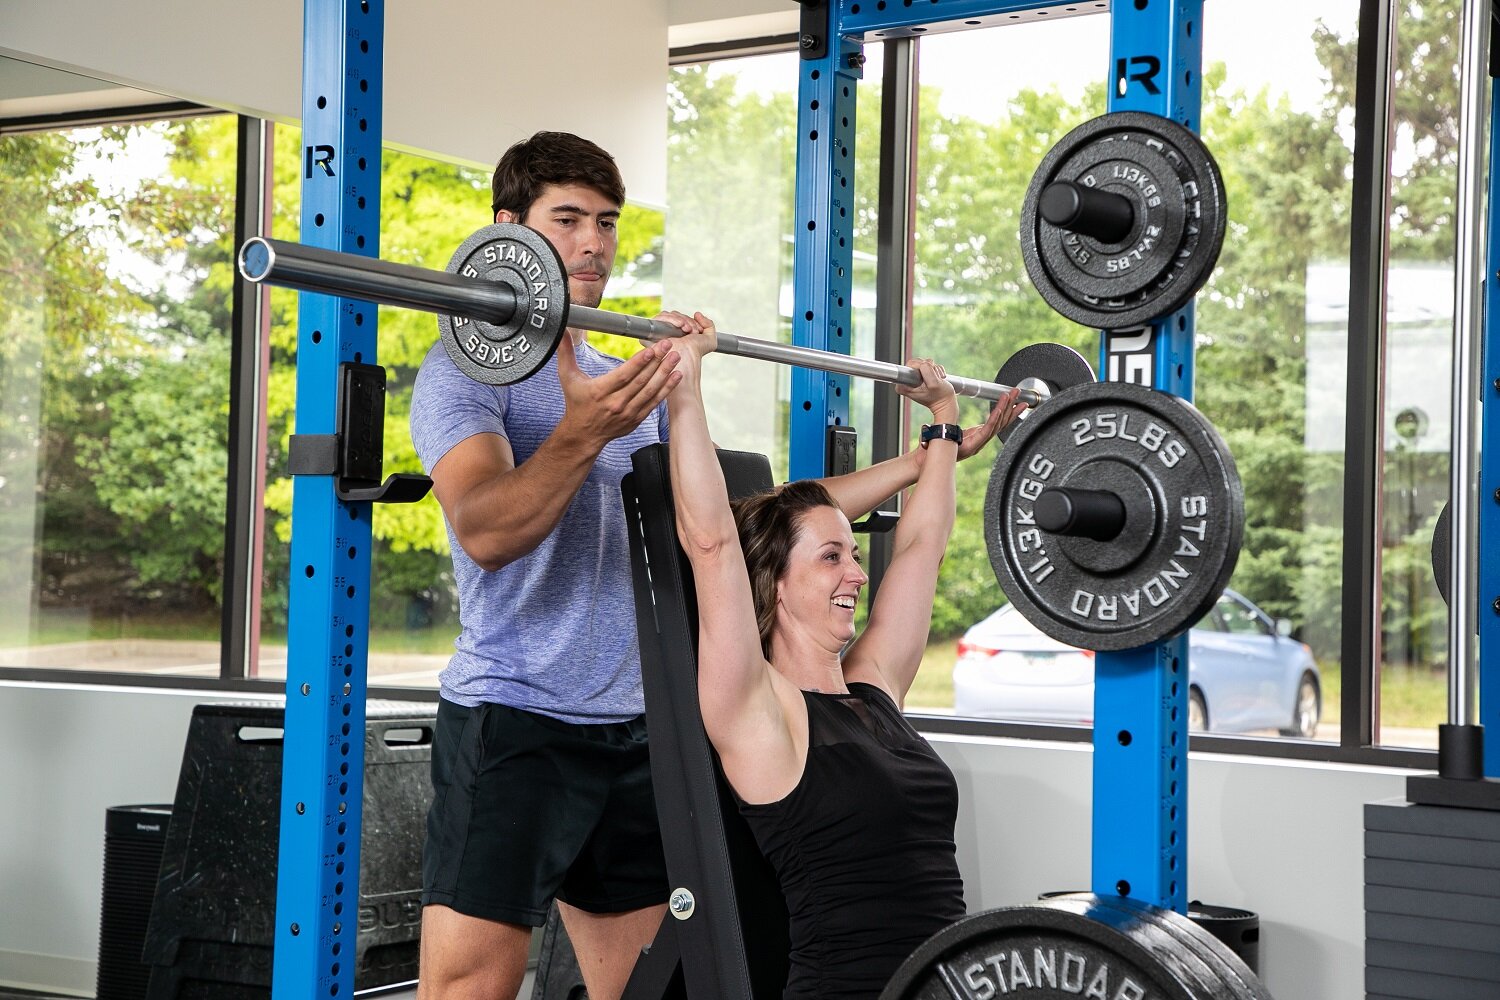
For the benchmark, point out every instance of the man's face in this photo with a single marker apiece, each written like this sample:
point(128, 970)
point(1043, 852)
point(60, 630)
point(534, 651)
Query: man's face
point(581, 223)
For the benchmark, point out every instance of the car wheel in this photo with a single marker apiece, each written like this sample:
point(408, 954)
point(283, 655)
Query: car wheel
point(1197, 711)
point(1308, 709)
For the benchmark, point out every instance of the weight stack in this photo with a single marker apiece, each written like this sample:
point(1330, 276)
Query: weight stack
point(212, 926)
point(133, 841)
point(1432, 902)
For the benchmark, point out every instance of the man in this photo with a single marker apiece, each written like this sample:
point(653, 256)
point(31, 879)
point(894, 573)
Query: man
point(541, 778)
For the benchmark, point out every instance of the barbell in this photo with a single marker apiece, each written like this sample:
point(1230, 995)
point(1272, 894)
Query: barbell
point(503, 308)
point(1114, 513)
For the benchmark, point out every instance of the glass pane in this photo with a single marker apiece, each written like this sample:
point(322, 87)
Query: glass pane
point(115, 280)
point(1271, 325)
point(992, 105)
point(731, 187)
point(428, 208)
point(731, 170)
point(1413, 689)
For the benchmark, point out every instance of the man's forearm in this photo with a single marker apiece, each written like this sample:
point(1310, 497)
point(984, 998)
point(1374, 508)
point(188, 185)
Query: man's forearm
point(509, 516)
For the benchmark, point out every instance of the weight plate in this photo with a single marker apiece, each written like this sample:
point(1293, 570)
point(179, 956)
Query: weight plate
point(1442, 561)
point(1072, 946)
point(1046, 366)
point(1183, 526)
point(1223, 972)
point(522, 259)
point(1176, 194)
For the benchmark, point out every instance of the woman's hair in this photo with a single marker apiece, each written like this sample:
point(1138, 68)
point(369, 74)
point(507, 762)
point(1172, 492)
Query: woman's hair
point(769, 524)
point(552, 158)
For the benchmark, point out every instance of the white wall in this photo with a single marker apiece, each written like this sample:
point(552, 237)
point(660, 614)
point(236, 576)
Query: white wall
point(463, 78)
point(1282, 839)
point(66, 755)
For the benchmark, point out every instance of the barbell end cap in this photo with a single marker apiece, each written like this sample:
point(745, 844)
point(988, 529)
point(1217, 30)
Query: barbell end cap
point(1060, 204)
point(256, 259)
point(1096, 514)
point(1102, 215)
point(1054, 512)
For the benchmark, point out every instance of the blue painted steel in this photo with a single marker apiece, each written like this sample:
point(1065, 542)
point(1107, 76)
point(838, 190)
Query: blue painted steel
point(824, 272)
point(317, 891)
point(869, 18)
point(1489, 472)
point(1140, 779)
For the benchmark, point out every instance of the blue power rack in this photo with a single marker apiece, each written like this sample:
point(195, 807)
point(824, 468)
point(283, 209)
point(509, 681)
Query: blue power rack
point(1140, 782)
point(1488, 612)
point(322, 782)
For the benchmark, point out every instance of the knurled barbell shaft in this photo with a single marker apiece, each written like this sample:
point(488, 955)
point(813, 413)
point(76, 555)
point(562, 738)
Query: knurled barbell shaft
point(330, 272)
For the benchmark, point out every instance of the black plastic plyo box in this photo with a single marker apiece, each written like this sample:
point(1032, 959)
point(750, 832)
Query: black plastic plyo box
point(211, 931)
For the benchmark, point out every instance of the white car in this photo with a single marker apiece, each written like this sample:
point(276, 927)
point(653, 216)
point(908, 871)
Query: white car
point(1245, 673)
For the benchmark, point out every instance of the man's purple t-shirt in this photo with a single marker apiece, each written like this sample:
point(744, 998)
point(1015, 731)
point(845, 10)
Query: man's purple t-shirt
point(554, 631)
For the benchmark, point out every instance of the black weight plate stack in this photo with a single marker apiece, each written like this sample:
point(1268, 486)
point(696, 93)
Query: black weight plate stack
point(1075, 946)
point(1183, 519)
point(1156, 175)
point(522, 259)
point(1044, 366)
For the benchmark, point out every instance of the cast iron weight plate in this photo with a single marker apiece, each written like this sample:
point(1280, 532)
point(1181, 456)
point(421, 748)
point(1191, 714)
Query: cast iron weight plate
point(1181, 536)
point(1051, 365)
point(1176, 195)
point(521, 258)
point(1075, 946)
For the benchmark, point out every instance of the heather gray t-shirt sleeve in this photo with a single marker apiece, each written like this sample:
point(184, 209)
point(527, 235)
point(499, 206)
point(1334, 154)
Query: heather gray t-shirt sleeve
point(448, 407)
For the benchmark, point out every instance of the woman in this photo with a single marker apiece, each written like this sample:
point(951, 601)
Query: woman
point(852, 807)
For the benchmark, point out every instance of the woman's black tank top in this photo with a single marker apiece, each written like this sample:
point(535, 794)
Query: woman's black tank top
point(863, 846)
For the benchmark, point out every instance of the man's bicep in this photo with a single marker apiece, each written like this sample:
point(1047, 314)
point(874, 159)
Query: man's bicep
point(468, 466)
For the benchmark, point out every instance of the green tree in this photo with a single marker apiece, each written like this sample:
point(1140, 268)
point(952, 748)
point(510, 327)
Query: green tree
point(86, 327)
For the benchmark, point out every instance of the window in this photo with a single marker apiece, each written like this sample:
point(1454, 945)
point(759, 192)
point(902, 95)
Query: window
point(1412, 660)
point(115, 279)
point(1238, 617)
point(728, 243)
point(1272, 326)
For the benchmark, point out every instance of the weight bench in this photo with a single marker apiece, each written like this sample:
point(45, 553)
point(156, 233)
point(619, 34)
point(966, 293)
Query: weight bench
point(725, 935)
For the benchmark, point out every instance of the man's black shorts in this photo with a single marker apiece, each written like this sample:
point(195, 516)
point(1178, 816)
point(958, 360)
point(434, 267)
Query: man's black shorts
point(526, 807)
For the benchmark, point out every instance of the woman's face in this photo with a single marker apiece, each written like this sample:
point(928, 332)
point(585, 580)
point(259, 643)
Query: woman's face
point(820, 588)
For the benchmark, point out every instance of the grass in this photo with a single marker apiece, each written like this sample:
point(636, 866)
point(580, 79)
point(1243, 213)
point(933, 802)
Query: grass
point(1409, 697)
point(52, 626)
point(933, 687)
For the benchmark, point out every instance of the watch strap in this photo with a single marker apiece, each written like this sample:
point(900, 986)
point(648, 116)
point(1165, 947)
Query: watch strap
point(942, 432)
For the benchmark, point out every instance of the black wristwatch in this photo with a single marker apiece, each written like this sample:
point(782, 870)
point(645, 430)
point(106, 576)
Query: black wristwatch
point(942, 432)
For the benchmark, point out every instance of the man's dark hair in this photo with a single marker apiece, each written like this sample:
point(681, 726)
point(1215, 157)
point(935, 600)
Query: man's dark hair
point(552, 158)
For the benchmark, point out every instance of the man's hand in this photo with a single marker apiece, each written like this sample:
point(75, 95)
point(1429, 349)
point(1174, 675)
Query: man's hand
point(600, 409)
